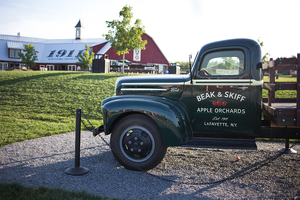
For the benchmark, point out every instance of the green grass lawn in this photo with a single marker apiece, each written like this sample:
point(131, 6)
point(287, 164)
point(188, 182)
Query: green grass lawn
point(35, 104)
point(17, 191)
point(282, 93)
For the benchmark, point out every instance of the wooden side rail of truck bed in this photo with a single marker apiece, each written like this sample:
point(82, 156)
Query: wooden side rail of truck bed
point(282, 111)
point(282, 114)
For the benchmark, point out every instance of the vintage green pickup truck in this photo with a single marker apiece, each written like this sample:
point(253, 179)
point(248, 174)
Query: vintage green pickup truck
point(219, 104)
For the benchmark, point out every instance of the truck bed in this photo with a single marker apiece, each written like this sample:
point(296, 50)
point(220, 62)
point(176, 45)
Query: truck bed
point(282, 111)
point(281, 114)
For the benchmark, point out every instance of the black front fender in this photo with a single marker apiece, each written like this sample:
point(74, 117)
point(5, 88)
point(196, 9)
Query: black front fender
point(169, 115)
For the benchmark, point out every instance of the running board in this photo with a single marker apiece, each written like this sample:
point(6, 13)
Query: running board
point(221, 143)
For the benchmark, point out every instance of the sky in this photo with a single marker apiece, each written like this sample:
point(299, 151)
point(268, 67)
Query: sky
point(179, 27)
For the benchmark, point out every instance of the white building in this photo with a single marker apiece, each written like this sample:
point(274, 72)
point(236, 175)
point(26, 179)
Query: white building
point(53, 54)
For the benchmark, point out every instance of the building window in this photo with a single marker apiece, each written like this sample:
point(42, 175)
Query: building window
point(43, 68)
point(78, 33)
point(71, 67)
point(13, 53)
point(50, 67)
point(3, 66)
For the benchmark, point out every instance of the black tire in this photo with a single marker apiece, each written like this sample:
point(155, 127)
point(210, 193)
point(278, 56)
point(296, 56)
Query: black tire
point(136, 143)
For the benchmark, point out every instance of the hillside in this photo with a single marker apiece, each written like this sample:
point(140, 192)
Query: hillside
point(35, 104)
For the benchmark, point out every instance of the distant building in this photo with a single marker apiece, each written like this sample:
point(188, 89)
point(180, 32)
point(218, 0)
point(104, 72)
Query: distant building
point(59, 54)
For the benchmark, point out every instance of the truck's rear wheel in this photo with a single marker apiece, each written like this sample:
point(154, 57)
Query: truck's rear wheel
point(136, 143)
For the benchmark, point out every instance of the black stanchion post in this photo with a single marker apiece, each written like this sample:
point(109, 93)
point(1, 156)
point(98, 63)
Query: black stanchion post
point(77, 137)
point(77, 170)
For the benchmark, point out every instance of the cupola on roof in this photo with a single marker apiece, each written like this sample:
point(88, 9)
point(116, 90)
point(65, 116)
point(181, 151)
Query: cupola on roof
point(78, 24)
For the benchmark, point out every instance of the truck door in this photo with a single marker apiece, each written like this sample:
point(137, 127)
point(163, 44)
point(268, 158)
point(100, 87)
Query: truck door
point(221, 96)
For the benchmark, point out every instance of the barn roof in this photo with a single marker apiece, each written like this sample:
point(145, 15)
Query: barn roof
point(151, 55)
point(104, 49)
point(49, 50)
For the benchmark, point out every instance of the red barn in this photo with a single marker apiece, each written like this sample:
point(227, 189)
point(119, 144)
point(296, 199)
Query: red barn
point(151, 56)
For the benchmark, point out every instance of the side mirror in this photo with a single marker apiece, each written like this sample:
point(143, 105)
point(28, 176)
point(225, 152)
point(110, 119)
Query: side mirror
point(259, 65)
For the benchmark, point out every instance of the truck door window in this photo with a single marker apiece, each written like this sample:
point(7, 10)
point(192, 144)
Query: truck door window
point(223, 63)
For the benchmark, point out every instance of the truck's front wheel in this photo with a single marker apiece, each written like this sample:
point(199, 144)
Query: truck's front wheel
point(136, 143)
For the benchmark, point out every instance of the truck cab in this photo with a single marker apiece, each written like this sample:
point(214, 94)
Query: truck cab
point(220, 98)
point(226, 90)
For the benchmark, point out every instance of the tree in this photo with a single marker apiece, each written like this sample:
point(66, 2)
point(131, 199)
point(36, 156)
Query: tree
point(86, 58)
point(265, 57)
point(124, 37)
point(30, 56)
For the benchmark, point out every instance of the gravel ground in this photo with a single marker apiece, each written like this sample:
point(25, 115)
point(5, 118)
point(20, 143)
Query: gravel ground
point(184, 173)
